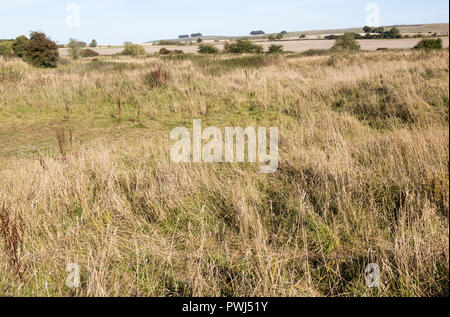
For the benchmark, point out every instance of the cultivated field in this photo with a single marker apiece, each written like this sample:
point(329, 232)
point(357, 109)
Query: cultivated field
point(368, 45)
point(293, 46)
point(86, 177)
point(424, 29)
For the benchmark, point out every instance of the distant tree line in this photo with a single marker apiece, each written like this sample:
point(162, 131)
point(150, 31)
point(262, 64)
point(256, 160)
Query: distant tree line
point(239, 47)
point(393, 33)
point(258, 32)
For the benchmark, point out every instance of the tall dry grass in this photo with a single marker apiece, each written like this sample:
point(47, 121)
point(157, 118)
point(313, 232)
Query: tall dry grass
point(363, 177)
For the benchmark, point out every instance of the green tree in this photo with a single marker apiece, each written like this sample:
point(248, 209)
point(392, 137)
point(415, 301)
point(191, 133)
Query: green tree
point(75, 47)
point(271, 37)
point(346, 42)
point(199, 40)
point(20, 45)
point(280, 36)
point(367, 29)
point(93, 43)
point(41, 51)
point(394, 32)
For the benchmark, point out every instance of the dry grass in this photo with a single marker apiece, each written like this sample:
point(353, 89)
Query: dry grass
point(363, 177)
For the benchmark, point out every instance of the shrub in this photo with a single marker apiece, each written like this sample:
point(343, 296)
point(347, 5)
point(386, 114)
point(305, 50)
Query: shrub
point(275, 49)
point(346, 42)
point(280, 36)
point(93, 43)
point(199, 40)
point(394, 32)
point(165, 51)
point(89, 53)
point(41, 51)
point(157, 78)
point(207, 49)
point(243, 46)
point(133, 49)
point(6, 49)
point(20, 45)
point(435, 44)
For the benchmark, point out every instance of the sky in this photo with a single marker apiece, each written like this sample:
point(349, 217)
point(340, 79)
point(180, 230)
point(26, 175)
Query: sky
point(115, 21)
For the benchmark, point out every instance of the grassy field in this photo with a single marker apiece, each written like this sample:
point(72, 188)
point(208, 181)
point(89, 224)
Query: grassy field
point(86, 177)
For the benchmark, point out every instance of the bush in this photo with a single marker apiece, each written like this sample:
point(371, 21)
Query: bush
point(89, 53)
point(20, 45)
point(157, 78)
point(275, 49)
point(165, 51)
point(6, 48)
point(207, 49)
point(133, 49)
point(346, 42)
point(428, 44)
point(243, 46)
point(41, 51)
point(93, 43)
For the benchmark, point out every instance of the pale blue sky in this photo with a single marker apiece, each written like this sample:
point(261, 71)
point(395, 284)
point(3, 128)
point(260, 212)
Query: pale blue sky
point(116, 21)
